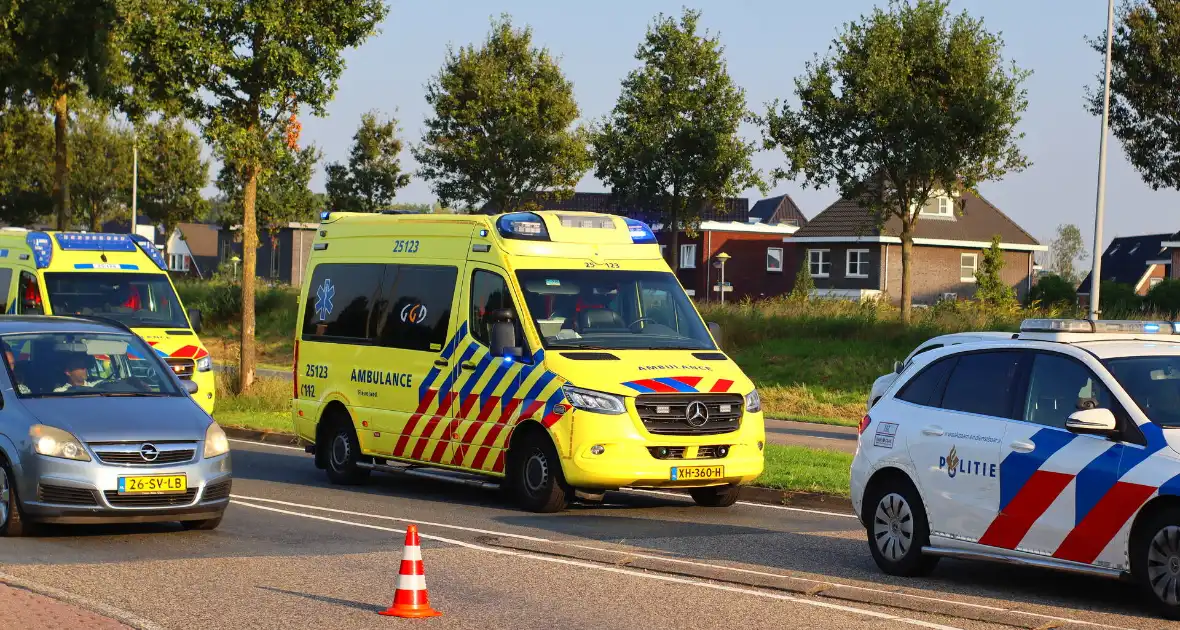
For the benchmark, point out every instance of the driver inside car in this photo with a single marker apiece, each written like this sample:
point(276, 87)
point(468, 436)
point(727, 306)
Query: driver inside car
point(76, 371)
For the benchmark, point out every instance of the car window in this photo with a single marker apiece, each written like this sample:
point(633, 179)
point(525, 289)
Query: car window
point(983, 383)
point(414, 307)
point(1154, 383)
point(490, 293)
point(339, 301)
point(29, 295)
point(924, 389)
point(84, 364)
point(923, 350)
point(1059, 386)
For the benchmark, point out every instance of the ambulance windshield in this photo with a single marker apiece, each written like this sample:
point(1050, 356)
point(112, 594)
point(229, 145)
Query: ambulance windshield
point(612, 310)
point(137, 300)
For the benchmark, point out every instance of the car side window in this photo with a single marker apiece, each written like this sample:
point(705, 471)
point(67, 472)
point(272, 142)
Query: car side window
point(984, 383)
point(1059, 386)
point(489, 293)
point(925, 388)
point(5, 287)
point(29, 295)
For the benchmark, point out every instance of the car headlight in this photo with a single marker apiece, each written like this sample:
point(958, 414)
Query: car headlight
point(215, 441)
point(598, 402)
point(204, 364)
point(753, 402)
point(53, 442)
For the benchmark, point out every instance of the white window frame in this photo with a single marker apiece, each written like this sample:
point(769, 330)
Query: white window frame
point(974, 267)
point(941, 207)
point(848, 268)
point(780, 258)
point(688, 256)
point(824, 258)
point(172, 262)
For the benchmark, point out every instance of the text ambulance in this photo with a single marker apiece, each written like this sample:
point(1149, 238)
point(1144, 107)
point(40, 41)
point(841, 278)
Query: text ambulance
point(120, 277)
point(555, 350)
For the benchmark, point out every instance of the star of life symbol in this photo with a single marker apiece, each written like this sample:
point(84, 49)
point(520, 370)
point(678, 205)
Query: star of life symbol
point(323, 299)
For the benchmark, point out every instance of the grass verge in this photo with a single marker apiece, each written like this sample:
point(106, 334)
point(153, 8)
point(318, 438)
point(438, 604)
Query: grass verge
point(802, 469)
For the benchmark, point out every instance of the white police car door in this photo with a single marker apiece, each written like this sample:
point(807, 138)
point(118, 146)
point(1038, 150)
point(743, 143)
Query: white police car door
point(1051, 480)
point(956, 446)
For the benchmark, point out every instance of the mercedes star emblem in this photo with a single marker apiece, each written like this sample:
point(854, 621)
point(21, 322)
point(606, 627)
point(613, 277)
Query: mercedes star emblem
point(149, 453)
point(697, 414)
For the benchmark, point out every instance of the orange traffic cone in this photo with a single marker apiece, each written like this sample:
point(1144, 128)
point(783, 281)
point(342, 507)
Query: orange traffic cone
point(411, 599)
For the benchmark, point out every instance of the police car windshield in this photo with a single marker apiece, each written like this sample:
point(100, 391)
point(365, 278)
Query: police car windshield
point(137, 300)
point(44, 365)
point(612, 310)
point(1154, 383)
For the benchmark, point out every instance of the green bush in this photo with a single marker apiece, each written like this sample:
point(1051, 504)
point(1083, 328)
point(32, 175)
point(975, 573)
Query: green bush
point(1119, 301)
point(1165, 298)
point(1053, 290)
point(220, 302)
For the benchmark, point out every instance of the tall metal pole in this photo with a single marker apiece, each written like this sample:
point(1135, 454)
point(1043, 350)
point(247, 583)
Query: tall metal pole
point(134, 179)
point(1096, 271)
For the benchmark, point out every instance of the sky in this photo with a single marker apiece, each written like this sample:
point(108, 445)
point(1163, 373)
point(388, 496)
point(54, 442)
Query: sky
point(766, 45)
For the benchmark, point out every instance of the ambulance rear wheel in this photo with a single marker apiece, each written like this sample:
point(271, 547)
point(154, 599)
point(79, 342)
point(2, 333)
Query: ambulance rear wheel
point(897, 528)
point(344, 451)
point(1155, 560)
point(715, 496)
point(535, 476)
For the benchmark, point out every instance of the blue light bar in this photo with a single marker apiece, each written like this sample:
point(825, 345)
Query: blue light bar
point(42, 247)
point(150, 249)
point(75, 241)
point(640, 232)
point(523, 225)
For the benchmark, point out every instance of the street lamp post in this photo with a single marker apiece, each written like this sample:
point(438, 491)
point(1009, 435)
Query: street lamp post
point(719, 263)
point(1096, 271)
point(134, 178)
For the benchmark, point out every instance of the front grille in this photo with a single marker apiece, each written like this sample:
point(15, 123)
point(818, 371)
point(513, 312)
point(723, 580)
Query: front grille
point(712, 452)
point(133, 454)
point(150, 500)
point(666, 414)
point(184, 368)
point(218, 491)
point(678, 452)
point(62, 495)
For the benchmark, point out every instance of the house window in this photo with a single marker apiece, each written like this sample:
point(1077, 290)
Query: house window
point(939, 207)
point(858, 263)
point(688, 256)
point(178, 262)
point(820, 262)
point(968, 264)
point(774, 259)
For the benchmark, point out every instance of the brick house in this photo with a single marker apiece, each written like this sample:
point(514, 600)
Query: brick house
point(850, 256)
point(1139, 261)
point(752, 237)
point(282, 258)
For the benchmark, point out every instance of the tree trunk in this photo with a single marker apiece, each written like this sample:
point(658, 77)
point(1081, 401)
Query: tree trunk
point(94, 223)
point(907, 291)
point(61, 161)
point(249, 264)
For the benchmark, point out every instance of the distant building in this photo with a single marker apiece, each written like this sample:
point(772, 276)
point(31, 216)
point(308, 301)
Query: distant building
point(1138, 261)
point(282, 258)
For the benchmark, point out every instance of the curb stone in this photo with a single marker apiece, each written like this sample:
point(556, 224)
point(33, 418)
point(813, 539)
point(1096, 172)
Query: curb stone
point(753, 494)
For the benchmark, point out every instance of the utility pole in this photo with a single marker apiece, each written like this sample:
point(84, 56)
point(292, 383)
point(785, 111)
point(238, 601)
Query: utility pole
point(1096, 271)
point(134, 178)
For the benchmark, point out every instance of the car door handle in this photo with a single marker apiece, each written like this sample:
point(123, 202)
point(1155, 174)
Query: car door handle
point(468, 366)
point(441, 363)
point(1021, 446)
point(933, 430)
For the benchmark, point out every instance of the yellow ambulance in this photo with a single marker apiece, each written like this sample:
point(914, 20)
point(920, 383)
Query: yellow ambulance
point(120, 277)
point(553, 350)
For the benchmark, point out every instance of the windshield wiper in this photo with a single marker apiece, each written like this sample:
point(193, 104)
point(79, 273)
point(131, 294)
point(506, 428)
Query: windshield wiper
point(568, 346)
point(133, 394)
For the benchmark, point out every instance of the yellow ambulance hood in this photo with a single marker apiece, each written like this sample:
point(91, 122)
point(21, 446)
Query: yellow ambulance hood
point(634, 372)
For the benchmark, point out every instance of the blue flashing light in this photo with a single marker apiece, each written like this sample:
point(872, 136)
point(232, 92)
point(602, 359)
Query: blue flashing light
point(42, 247)
point(325, 214)
point(641, 234)
point(79, 241)
point(523, 225)
point(150, 249)
point(1151, 328)
point(483, 233)
point(507, 358)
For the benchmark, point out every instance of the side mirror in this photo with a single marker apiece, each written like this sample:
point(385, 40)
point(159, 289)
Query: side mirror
point(194, 318)
point(504, 341)
point(189, 386)
point(715, 330)
point(898, 366)
point(1092, 422)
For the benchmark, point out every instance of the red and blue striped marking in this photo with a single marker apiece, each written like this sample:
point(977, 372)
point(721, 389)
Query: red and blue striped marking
point(676, 385)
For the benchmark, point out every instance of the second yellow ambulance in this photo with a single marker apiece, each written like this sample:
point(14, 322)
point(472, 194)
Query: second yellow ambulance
point(555, 351)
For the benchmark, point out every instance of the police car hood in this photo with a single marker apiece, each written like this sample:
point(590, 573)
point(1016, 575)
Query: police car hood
point(122, 419)
point(634, 372)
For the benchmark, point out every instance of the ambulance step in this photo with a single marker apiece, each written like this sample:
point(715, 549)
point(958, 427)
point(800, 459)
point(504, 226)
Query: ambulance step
point(473, 481)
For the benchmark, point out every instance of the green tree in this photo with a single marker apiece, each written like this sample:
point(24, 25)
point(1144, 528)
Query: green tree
point(373, 174)
point(284, 193)
point(1065, 250)
point(59, 50)
point(671, 142)
point(172, 174)
point(1144, 104)
point(1053, 290)
point(990, 287)
point(502, 128)
point(804, 284)
point(911, 103)
point(243, 68)
point(26, 163)
point(101, 174)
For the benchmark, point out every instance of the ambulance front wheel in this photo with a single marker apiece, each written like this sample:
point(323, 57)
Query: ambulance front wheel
point(534, 474)
point(344, 451)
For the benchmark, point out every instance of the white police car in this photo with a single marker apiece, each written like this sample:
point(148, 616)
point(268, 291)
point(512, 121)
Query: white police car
point(1059, 448)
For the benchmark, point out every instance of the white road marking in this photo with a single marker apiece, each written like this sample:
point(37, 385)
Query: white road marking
point(239, 498)
point(101, 608)
point(290, 448)
point(761, 505)
point(629, 572)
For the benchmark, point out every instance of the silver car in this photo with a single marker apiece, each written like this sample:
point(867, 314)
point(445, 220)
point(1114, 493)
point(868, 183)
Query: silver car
point(94, 428)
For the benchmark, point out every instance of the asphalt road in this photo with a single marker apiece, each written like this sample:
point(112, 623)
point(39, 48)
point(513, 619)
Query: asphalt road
point(295, 552)
point(827, 436)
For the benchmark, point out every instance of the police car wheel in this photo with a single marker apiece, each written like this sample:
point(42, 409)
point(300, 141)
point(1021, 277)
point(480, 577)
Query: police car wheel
point(1156, 561)
point(12, 523)
point(343, 453)
point(536, 476)
point(898, 529)
point(715, 496)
